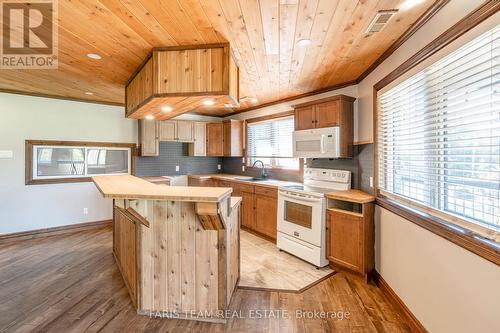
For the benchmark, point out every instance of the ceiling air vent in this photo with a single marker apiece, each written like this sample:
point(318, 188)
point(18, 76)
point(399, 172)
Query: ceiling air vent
point(380, 20)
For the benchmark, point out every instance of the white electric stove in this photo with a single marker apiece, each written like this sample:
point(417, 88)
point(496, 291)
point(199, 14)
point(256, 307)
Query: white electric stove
point(302, 210)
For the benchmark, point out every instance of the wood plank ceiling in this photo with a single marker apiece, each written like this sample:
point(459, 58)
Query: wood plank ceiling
point(263, 35)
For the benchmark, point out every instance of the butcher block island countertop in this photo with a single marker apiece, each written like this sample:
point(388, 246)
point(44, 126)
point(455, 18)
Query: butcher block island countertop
point(130, 187)
point(177, 248)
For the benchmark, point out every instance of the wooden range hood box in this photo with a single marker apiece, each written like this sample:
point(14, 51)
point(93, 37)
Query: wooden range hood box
point(182, 77)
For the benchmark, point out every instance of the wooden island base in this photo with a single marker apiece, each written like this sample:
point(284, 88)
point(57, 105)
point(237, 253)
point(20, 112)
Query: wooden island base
point(179, 258)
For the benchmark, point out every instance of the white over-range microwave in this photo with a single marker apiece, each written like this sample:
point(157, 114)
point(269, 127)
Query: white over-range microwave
point(317, 143)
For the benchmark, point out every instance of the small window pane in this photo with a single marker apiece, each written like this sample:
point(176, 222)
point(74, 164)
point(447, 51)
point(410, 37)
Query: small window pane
point(106, 161)
point(60, 162)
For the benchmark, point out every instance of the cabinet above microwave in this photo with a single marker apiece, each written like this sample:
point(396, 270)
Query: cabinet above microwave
point(336, 111)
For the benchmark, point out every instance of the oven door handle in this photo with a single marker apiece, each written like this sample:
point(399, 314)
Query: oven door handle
point(300, 198)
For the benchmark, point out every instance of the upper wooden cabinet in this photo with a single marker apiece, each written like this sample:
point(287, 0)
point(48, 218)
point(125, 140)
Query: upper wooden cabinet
point(304, 117)
point(225, 139)
point(148, 137)
point(215, 142)
point(205, 139)
point(167, 130)
point(327, 112)
point(233, 138)
point(185, 131)
point(199, 145)
point(176, 130)
point(182, 78)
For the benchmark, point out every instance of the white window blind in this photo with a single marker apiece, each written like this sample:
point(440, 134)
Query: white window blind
point(439, 135)
point(271, 142)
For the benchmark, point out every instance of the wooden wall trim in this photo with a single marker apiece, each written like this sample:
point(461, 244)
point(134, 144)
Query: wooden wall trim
point(487, 9)
point(462, 237)
point(23, 235)
point(28, 159)
point(412, 321)
point(293, 98)
point(271, 116)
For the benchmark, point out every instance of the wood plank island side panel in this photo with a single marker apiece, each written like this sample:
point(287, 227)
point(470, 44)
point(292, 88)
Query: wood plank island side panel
point(177, 248)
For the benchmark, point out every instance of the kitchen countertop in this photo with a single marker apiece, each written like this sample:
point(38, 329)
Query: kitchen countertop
point(273, 183)
point(352, 195)
point(130, 187)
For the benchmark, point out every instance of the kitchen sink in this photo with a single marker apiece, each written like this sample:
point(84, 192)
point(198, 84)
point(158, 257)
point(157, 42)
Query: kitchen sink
point(252, 179)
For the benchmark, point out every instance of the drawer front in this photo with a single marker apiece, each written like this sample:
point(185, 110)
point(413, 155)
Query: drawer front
point(267, 191)
point(243, 187)
point(224, 183)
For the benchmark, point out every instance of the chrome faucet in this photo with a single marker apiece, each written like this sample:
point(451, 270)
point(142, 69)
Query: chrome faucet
point(264, 172)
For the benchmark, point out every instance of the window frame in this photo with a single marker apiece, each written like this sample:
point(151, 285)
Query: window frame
point(30, 168)
point(442, 226)
point(274, 116)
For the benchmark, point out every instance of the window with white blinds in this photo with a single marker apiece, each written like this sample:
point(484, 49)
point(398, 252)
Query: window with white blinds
point(271, 142)
point(439, 136)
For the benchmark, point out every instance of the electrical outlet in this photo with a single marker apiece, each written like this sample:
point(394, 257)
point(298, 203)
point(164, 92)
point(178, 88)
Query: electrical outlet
point(85, 211)
point(371, 181)
point(177, 168)
point(243, 168)
point(219, 167)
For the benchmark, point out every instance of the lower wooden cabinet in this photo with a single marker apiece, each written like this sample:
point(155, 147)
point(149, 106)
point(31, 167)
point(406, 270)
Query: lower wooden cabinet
point(345, 246)
point(266, 214)
point(259, 206)
point(350, 239)
point(248, 210)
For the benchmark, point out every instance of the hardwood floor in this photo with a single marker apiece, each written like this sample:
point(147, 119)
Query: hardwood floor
point(263, 266)
point(70, 283)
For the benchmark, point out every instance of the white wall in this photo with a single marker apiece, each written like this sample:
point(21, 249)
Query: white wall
point(41, 206)
point(448, 288)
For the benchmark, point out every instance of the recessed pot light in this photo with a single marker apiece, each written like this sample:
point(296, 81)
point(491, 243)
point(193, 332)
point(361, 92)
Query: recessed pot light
point(254, 100)
point(166, 108)
point(303, 42)
point(208, 102)
point(89, 93)
point(149, 117)
point(94, 56)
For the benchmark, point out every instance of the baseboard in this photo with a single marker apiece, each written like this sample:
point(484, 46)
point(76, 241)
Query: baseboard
point(258, 234)
point(16, 236)
point(413, 322)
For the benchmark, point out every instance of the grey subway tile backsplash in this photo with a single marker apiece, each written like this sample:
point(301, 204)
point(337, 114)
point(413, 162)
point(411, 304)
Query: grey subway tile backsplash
point(171, 155)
